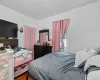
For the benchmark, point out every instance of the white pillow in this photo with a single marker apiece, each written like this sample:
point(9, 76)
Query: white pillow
point(81, 57)
point(92, 52)
point(92, 61)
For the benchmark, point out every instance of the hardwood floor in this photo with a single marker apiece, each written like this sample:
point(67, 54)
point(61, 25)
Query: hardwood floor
point(22, 77)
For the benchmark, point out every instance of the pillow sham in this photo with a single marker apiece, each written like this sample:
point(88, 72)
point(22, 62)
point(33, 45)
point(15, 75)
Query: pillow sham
point(97, 50)
point(92, 52)
point(92, 61)
point(81, 57)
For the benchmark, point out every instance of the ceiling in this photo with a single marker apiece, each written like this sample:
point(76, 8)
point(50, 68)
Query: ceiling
point(39, 9)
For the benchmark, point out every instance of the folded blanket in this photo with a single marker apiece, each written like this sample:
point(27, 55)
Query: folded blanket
point(93, 68)
point(22, 52)
point(18, 49)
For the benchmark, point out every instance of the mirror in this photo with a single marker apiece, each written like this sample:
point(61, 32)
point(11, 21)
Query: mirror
point(44, 35)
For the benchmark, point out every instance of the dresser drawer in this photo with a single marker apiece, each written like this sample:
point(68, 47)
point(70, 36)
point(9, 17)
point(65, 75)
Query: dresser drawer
point(40, 51)
point(20, 70)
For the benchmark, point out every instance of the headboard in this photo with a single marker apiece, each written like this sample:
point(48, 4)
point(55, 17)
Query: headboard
point(10, 42)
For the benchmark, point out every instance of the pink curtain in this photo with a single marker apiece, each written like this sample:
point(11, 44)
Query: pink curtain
point(29, 38)
point(63, 27)
point(43, 37)
point(56, 36)
point(59, 28)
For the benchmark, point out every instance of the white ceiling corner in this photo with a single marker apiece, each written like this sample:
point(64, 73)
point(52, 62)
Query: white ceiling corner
point(39, 9)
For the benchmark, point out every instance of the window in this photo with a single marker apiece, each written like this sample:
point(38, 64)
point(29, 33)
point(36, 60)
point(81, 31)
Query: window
point(64, 43)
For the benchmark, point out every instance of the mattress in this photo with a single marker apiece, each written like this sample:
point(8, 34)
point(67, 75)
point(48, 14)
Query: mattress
point(21, 60)
point(56, 66)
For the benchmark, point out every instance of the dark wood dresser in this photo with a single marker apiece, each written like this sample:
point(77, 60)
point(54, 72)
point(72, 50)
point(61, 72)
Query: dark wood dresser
point(40, 51)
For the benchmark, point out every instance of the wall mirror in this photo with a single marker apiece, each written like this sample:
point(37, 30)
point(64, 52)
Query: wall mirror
point(44, 35)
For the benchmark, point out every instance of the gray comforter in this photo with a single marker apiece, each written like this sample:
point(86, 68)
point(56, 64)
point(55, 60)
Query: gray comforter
point(56, 66)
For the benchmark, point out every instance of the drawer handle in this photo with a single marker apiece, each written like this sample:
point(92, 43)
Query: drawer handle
point(15, 70)
point(23, 66)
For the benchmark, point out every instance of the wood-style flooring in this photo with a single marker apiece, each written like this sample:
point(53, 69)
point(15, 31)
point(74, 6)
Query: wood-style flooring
point(22, 77)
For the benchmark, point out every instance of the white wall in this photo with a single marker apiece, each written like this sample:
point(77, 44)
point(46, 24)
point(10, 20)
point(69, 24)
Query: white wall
point(20, 19)
point(84, 28)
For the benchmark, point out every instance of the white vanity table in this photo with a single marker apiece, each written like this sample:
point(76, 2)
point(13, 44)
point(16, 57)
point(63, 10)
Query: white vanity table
point(9, 57)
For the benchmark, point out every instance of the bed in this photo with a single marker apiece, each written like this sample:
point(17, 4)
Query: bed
point(22, 57)
point(56, 66)
point(60, 66)
point(20, 62)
